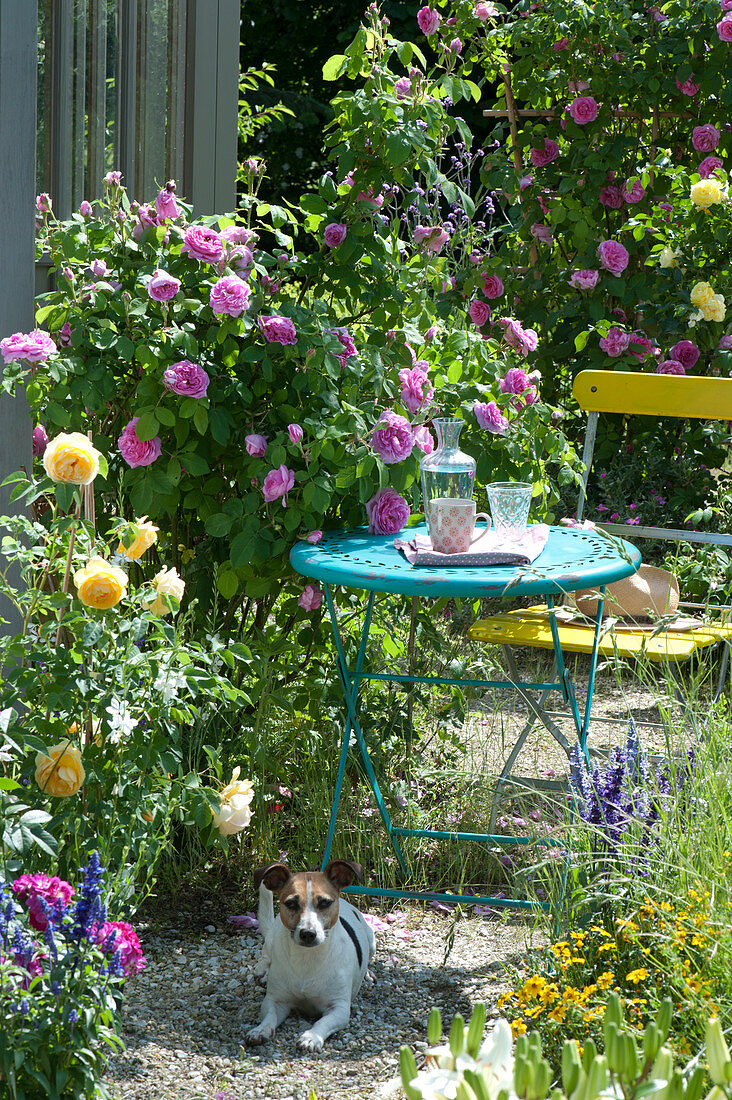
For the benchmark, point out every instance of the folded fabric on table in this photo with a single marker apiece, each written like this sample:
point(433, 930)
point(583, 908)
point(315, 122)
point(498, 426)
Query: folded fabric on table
point(489, 549)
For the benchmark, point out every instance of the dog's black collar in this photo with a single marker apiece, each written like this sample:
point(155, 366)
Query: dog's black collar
point(354, 940)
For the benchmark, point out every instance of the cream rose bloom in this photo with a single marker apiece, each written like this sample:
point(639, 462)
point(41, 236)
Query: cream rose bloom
point(713, 309)
point(167, 583)
point(236, 798)
point(145, 535)
point(669, 258)
point(71, 459)
point(701, 293)
point(706, 192)
point(100, 585)
point(61, 772)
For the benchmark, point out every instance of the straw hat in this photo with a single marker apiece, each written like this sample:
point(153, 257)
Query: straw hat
point(647, 594)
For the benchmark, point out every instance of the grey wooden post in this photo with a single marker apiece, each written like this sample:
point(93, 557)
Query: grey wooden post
point(212, 99)
point(18, 60)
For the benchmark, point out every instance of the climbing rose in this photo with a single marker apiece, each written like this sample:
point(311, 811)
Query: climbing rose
point(541, 232)
point(708, 166)
point(492, 286)
point(387, 511)
point(490, 417)
point(392, 438)
point(583, 110)
point(417, 390)
point(278, 484)
point(613, 257)
point(705, 138)
point(165, 204)
point(310, 598)
point(335, 234)
point(685, 352)
point(635, 192)
point(724, 28)
point(670, 366)
point(424, 439)
point(403, 87)
point(35, 347)
point(40, 440)
point(202, 243)
point(480, 312)
point(484, 11)
point(431, 237)
point(162, 287)
point(516, 336)
point(637, 340)
point(615, 343)
point(256, 445)
point(542, 157)
point(688, 87)
point(278, 330)
point(186, 379)
point(611, 196)
point(135, 451)
point(230, 295)
point(518, 382)
point(585, 279)
point(428, 20)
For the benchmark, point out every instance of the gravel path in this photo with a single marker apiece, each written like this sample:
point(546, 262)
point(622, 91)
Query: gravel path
point(185, 1016)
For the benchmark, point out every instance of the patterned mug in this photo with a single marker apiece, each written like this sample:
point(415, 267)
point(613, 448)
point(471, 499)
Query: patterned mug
point(452, 523)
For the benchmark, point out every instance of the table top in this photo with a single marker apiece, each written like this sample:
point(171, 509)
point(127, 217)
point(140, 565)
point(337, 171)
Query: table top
point(573, 558)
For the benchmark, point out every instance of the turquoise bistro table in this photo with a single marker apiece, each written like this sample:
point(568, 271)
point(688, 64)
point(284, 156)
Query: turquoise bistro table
point(573, 558)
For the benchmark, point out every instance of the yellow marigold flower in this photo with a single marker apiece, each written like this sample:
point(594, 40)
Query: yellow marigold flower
point(145, 534)
point(571, 996)
point(505, 999)
point(706, 192)
point(636, 976)
point(72, 459)
point(99, 584)
point(606, 947)
point(605, 980)
point(713, 309)
point(549, 993)
point(61, 772)
point(533, 986)
point(532, 1013)
point(578, 936)
point(518, 1027)
point(557, 1014)
point(700, 293)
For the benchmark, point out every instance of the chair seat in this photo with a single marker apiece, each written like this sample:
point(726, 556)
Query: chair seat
point(530, 626)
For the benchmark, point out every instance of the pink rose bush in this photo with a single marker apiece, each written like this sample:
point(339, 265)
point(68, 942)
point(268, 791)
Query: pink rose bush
point(256, 445)
point(686, 353)
point(492, 286)
point(480, 312)
point(417, 390)
point(136, 451)
point(709, 166)
point(705, 138)
point(162, 286)
point(41, 894)
point(613, 257)
point(186, 379)
point(518, 382)
point(490, 417)
point(584, 279)
point(230, 295)
point(670, 366)
point(310, 598)
point(541, 157)
point(335, 234)
point(615, 343)
point(392, 439)
point(428, 20)
point(387, 511)
point(33, 347)
point(516, 336)
point(277, 484)
point(278, 330)
point(431, 238)
point(166, 207)
point(583, 110)
point(203, 244)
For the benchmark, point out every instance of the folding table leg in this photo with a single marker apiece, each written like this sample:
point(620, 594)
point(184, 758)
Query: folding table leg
point(351, 685)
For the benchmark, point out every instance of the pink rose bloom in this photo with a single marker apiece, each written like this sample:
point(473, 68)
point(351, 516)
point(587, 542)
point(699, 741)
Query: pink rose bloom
point(237, 234)
point(85, 209)
point(670, 366)
point(635, 192)
point(432, 237)
point(118, 935)
point(314, 537)
point(518, 382)
point(203, 244)
point(99, 268)
point(480, 312)
point(724, 28)
point(186, 379)
point(456, 46)
point(43, 203)
point(576, 86)
point(726, 5)
point(278, 484)
point(145, 221)
point(369, 197)
point(113, 179)
point(240, 257)
point(34, 346)
point(541, 157)
point(708, 166)
point(295, 433)
point(688, 87)
point(516, 336)
point(725, 343)
point(638, 340)
point(162, 287)
point(417, 390)
point(430, 334)
point(40, 440)
point(611, 196)
point(562, 44)
point(615, 343)
point(685, 352)
point(387, 511)
point(484, 11)
point(613, 257)
point(32, 888)
point(278, 330)
point(584, 279)
point(64, 335)
point(424, 439)
point(428, 20)
point(348, 344)
point(492, 286)
point(541, 232)
point(525, 181)
point(490, 417)
point(230, 295)
point(256, 445)
point(705, 138)
point(403, 87)
point(335, 234)
point(165, 204)
point(392, 438)
point(583, 109)
point(310, 598)
point(138, 452)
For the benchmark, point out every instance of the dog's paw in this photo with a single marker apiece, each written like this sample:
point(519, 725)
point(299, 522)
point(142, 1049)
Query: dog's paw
point(261, 968)
point(310, 1040)
point(259, 1034)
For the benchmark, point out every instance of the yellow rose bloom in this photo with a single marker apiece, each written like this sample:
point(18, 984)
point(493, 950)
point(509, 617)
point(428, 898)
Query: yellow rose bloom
point(145, 535)
point(71, 459)
point(713, 309)
point(700, 293)
point(167, 583)
point(235, 813)
point(706, 192)
point(61, 772)
point(669, 258)
point(100, 585)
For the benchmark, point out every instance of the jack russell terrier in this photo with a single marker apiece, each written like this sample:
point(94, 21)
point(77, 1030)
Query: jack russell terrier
point(316, 955)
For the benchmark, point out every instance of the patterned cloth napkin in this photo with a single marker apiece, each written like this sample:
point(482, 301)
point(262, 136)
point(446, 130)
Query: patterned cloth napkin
point(489, 549)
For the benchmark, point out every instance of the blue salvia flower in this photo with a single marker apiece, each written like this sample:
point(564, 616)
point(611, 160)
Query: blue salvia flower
point(24, 1007)
point(50, 941)
point(578, 775)
point(89, 911)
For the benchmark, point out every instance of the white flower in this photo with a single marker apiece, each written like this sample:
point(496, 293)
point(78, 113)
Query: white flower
point(121, 721)
point(168, 682)
point(235, 813)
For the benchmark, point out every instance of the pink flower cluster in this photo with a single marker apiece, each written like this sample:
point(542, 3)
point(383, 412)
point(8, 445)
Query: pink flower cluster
point(34, 347)
point(136, 451)
point(118, 935)
point(41, 892)
point(616, 342)
point(186, 379)
point(387, 512)
point(490, 417)
point(417, 391)
point(518, 382)
point(516, 336)
point(392, 438)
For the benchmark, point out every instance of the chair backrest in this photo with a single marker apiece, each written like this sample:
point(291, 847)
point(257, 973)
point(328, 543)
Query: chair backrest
point(660, 395)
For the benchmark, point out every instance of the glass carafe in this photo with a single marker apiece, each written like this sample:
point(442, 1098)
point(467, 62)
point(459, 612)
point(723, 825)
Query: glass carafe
point(448, 471)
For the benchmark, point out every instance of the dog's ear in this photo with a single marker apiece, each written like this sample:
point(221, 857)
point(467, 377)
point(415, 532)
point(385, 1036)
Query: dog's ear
point(274, 877)
point(343, 872)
